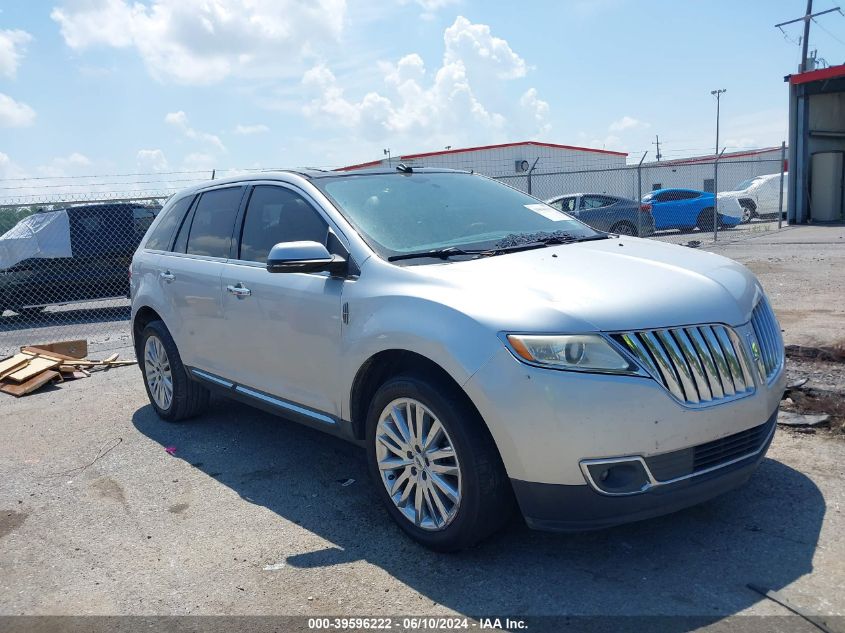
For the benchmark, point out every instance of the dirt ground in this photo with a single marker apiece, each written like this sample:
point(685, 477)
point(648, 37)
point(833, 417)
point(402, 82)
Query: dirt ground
point(107, 510)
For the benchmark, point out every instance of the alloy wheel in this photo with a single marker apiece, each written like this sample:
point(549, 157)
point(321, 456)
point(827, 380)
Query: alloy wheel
point(418, 464)
point(158, 373)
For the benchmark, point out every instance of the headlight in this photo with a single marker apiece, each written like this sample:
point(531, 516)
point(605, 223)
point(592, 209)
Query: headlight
point(584, 352)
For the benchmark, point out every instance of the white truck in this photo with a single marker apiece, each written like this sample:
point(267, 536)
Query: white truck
point(759, 197)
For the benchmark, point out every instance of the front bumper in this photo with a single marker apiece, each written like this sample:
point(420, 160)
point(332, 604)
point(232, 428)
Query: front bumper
point(566, 508)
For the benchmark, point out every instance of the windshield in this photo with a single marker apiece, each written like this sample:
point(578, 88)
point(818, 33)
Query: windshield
point(745, 184)
point(410, 212)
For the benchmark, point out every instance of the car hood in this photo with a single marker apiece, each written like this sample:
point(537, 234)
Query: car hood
point(604, 285)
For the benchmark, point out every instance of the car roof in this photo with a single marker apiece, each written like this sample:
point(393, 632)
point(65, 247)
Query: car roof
point(283, 175)
point(588, 193)
point(676, 189)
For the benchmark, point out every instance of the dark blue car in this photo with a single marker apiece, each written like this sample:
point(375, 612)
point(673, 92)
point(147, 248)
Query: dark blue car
point(686, 209)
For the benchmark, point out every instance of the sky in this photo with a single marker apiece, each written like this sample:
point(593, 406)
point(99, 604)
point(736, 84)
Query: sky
point(158, 86)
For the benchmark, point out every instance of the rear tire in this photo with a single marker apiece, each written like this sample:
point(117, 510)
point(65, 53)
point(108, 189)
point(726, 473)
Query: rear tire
point(705, 220)
point(470, 464)
point(172, 393)
point(624, 228)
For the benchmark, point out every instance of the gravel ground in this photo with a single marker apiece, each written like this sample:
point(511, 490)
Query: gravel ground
point(141, 531)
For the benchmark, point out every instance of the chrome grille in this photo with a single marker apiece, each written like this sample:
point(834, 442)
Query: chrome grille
point(767, 330)
point(700, 364)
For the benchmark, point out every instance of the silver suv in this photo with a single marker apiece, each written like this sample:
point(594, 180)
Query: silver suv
point(487, 350)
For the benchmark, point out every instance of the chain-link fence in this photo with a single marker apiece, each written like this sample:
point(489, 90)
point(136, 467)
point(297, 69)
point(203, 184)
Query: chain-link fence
point(671, 202)
point(66, 244)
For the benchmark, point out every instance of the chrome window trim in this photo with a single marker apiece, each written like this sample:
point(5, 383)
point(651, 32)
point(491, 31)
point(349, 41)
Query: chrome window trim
point(652, 482)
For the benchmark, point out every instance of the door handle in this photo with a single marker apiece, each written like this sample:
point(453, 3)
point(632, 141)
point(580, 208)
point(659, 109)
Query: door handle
point(167, 276)
point(239, 290)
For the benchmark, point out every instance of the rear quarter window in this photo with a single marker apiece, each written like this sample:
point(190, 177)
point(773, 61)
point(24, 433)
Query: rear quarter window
point(214, 222)
point(161, 237)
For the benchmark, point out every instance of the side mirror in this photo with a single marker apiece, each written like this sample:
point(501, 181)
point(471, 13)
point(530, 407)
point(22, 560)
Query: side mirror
point(304, 257)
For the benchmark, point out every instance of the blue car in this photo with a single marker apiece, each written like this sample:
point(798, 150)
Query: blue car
point(686, 209)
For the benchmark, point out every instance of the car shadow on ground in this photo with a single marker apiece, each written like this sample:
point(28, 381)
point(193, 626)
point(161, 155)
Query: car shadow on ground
point(694, 563)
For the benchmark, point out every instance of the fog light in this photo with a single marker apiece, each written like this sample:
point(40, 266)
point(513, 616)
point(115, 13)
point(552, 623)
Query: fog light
point(618, 477)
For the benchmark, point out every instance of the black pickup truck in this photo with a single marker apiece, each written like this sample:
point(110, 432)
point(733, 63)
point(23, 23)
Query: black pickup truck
point(79, 253)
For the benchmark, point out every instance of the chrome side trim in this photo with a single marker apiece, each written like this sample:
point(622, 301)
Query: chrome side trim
point(288, 406)
point(654, 483)
point(212, 378)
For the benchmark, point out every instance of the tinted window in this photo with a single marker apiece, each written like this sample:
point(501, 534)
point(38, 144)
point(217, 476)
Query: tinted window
point(213, 222)
point(274, 215)
point(143, 217)
point(594, 202)
point(162, 236)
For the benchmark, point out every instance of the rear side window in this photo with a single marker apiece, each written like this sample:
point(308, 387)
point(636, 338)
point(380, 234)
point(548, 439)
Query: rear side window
point(277, 214)
point(213, 222)
point(162, 236)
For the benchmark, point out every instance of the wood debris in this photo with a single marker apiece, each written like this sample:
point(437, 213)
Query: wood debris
point(39, 365)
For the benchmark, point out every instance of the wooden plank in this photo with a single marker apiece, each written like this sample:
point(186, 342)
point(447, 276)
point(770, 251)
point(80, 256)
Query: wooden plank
point(37, 351)
point(72, 349)
point(13, 364)
point(36, 382)
point(33, 368)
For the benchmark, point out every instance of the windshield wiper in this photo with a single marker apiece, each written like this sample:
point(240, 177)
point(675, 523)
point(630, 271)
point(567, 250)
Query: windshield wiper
point(451, 251)
point(509, 244)
point(546, 239)
point(437, 253)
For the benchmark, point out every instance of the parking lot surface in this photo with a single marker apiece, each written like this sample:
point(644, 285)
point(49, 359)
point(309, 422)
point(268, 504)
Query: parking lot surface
point(106, 509)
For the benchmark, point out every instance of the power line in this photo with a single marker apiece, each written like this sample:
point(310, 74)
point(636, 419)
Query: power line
point(805, 39)
point(816, 22)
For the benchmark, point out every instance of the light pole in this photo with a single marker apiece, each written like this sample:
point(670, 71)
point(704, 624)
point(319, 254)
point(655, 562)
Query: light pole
point(387, 153)
point(717, 94)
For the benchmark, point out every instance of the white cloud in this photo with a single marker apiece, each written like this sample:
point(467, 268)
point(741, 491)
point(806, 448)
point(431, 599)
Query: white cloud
point(199, 160)
point(14, 113)
point(9, 169)
point(179, 120)
point(151, 160)
point(627, 123)
point(442, 107)
point(204, 41)
point(431, 7)
point(537, 109)
point(12, 48)
point(72, 164)
point(478, 50)
point(251, 129)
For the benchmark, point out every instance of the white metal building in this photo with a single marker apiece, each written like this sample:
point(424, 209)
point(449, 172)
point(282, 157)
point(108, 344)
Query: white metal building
point(509, 159)
point(697, 172)
point(549, 169)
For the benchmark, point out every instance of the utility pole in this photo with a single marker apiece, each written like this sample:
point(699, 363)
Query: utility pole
point(805, 40)
point(657, 142)
point(717, 94)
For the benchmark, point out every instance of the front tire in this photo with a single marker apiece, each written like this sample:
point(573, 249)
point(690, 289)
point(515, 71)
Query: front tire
point(172, 393)
point(434, 464)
